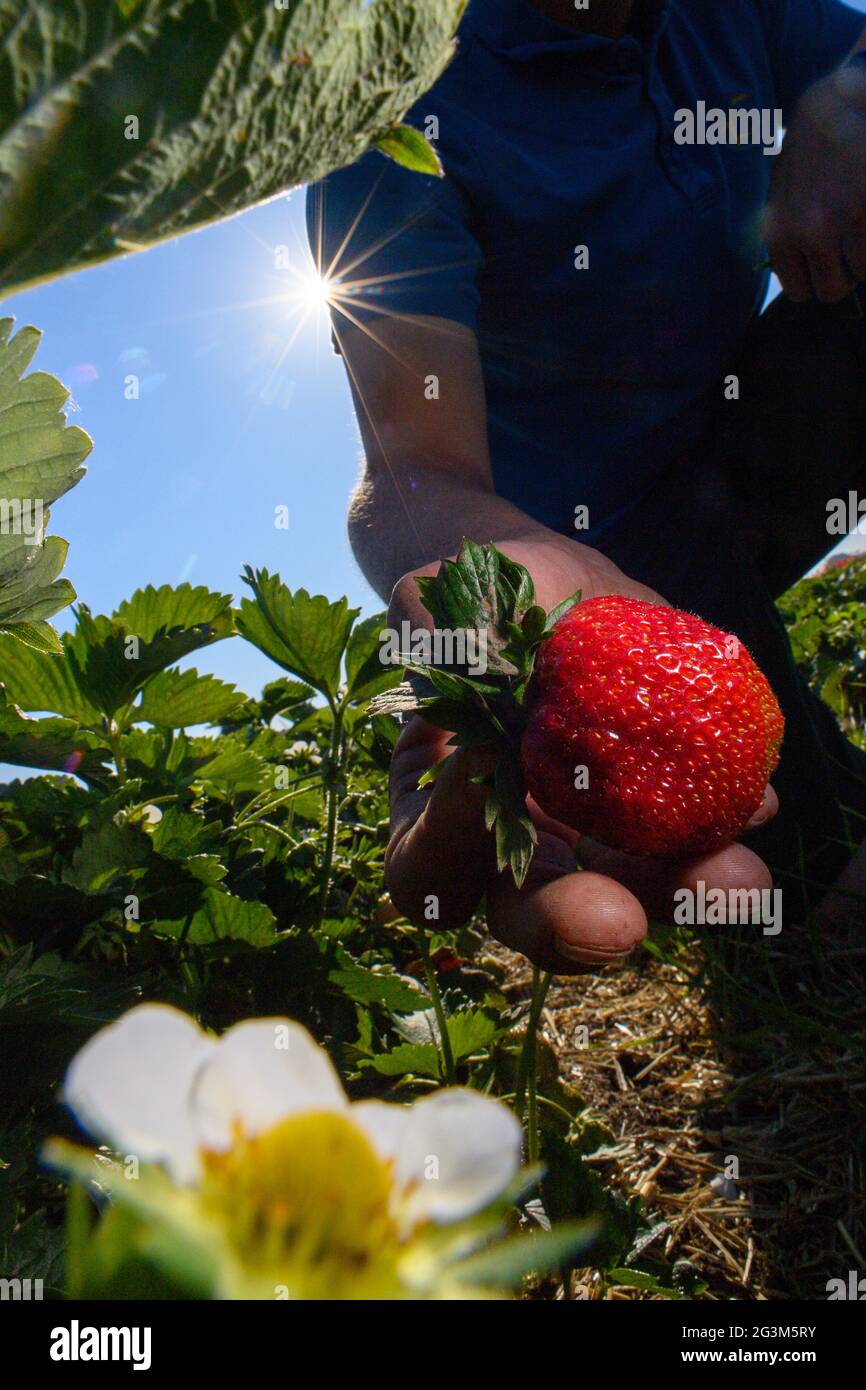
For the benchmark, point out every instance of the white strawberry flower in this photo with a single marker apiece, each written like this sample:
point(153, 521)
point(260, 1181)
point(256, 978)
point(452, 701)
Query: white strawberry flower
point(299, 1187)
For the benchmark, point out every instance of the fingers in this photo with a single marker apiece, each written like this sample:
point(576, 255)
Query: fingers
point(655, 883)
point(768, 808)
point(440, 850)
point(565, 922)
point(441, 862)
point(440, 855)
point(812, 257)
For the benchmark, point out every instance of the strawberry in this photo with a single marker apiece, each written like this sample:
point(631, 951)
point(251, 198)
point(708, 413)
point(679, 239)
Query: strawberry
point(648, 729)
point(639, 725)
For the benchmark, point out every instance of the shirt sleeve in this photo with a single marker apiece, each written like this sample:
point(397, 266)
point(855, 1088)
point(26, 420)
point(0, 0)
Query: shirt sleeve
point(394, 242)
point(806, 40)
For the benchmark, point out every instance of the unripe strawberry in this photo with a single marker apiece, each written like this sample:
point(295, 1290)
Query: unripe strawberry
point(648, 729)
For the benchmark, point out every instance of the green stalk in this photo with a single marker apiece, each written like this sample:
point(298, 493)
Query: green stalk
point(336, 758)
point(527, 1073)
point(439, 1010)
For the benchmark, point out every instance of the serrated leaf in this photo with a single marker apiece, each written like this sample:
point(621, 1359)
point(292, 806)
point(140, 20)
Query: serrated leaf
point(366, 674)
point(560, 611)
point(234, 769)
point(37, 680)
point(221, 916)
point(112, 658)
point(505, 813)
point(271, 97)
point(180, 834)
point(40, 637)
point(374, 987)
point(420, 1059)
point(106, 853)
point(470, 1030)
point(175, 699)
point(35, 592)
point(150, 612)
point(281, 695)
point(407, 146)
point(305, 634)
point(41, 458)
point(55, 745)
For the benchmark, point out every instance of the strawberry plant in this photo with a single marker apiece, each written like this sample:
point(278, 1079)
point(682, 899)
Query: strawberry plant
point(41, 458)
point(223, 854)
point(826, 619)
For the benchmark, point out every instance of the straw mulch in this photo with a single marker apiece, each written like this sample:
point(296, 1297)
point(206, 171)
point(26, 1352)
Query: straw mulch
point(746, 1047)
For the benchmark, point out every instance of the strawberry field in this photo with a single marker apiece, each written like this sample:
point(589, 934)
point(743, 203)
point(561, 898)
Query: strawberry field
point(223, 854)
point(231, 1068)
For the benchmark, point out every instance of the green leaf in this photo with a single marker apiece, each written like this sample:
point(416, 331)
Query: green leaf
point(175, 699)
point(41, 458)
point(505, 813)
point(366, 674)
point(409, 147)
point(57, 745)
point(40, 636)
point(151, 613)
point(44, 681)
point(282, 695)
point(233, 769)
point(636, 1279)
point(463, 594)
point(509, 1261)
point(221, 916)
point(183, 833)
point(418, 1059)
point(560, 611)
point(107, 853)
point(304, 634)
point(112, 658)
point(270, 98)
point(373, 987)
point(470, 1030)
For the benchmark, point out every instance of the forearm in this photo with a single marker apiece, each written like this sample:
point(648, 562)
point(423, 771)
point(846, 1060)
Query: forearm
point(403, 519)
point(398, 527)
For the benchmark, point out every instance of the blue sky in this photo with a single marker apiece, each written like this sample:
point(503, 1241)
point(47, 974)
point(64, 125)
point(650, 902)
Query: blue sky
point(234, 419)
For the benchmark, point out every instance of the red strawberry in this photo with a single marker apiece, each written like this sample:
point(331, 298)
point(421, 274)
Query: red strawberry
point(676, 727)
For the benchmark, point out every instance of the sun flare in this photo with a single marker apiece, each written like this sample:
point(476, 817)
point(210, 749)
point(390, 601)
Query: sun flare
point(315, 291)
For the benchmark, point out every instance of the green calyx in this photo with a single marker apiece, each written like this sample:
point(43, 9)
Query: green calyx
point(487, 631)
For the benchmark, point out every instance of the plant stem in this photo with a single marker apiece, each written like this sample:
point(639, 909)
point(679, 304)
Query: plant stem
point(438, 1008)
point(527, 1078)
point(332, 798)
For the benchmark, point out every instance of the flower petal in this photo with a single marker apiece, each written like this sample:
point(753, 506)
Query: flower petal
point(459, 1151)
point(129, 1085)
point(384, 1125)
point(261, 1071)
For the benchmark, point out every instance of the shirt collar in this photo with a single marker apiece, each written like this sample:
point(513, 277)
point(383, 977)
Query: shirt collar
point(518, 30)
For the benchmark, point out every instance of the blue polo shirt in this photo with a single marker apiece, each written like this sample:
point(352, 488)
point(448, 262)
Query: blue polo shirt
point(607, 269)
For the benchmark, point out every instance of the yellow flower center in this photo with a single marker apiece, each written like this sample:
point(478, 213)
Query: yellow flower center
point(306, 1205)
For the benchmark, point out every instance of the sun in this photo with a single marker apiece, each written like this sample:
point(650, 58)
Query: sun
point(315, 291)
